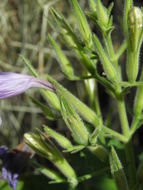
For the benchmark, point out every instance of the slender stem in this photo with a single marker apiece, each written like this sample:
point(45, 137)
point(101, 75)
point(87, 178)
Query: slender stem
point(120, 51)
point(127, 6)
point(110, 50)
point(115, 134)
point(123, 118)
point(128, 146)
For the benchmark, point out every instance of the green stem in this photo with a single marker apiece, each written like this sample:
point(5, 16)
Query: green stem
point(123, 118)
point(122, 111)
point(128, 146)
point(115, 134)
point(127, 6)
point(120, 51)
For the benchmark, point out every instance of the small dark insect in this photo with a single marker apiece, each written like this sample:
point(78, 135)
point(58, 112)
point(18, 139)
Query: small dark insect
point(14, 162)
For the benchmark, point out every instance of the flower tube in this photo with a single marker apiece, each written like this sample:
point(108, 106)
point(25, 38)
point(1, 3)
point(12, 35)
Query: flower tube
point(12, 84)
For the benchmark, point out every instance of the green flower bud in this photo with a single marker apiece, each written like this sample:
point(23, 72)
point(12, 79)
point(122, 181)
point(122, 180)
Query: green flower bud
point(49, 151)
point(135, 34)
point(83, 24)
point(102, 14)
point(135, 27)
point(73, 121)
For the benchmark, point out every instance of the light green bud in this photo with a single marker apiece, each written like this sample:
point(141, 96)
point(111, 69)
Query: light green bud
point(135, 34)
point(135, 27)
point(49, 151)
point(102, 13)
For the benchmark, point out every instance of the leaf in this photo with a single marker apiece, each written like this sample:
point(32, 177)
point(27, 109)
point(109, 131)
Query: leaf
point(64, 62)
point(61, 140)
point(47, 111)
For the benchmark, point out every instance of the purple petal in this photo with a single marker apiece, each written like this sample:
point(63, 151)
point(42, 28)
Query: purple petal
point(3, 150)
point(4, 173)
point(12, 84)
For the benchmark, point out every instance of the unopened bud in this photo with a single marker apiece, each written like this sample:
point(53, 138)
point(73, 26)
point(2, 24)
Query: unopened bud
point(135, 27)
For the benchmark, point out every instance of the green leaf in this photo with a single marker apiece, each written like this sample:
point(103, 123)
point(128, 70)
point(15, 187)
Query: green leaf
point(53, 175)
point(117, 171)
point(47, 111)
point(59, 18)
point(64, 63)
point(82, 23)
point(29, 66)
point(61, 140)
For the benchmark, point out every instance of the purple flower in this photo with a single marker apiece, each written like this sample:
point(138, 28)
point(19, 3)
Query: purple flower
point(12, 84)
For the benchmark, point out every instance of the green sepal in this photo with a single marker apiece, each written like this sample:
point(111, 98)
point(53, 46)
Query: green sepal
point(73, 120)
point(75, 149)
point(94, 137)
point(107, 65)
point(117, 171)
point(99, 151)
point(48, 150)
point(84, 28)
point(45, 109)
point(84, 111)
point(64, 62)
point(51, 174)
point(51, 97)
point(61, 21)
point(60, 139)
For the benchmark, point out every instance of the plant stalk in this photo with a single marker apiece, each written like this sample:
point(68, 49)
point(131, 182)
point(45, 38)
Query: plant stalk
point(128, 146)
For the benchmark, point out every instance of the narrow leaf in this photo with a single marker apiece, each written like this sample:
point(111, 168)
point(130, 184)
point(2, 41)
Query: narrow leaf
point(61, 140)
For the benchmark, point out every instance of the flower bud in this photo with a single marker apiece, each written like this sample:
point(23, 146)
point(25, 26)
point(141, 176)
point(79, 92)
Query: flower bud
point(135, 27)
point(102, 13)
point(135, 33)
point(50, 152)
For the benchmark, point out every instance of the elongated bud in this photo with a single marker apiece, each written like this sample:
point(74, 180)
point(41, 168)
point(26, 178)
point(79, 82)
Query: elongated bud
point(135, 27)
point(74, 122)
point(117, 171)
point(107, 65)
point(83, 24)
point(102, 13)
point(135, 34)
point(49, 151)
